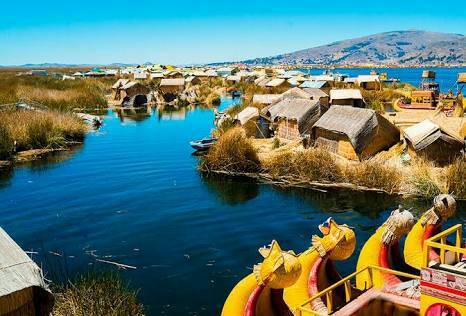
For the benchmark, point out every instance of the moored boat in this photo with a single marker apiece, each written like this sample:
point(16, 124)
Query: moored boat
point(203, 144)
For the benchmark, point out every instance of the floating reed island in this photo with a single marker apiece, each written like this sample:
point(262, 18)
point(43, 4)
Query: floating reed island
point(337, 134)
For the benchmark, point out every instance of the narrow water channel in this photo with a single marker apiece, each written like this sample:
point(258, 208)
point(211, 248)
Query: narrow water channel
point(132, 194)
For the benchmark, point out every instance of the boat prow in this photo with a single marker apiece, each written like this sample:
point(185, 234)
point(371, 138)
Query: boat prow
point(203, 144)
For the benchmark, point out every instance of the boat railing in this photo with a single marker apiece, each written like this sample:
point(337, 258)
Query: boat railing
point(439, 242)
point(305, 308)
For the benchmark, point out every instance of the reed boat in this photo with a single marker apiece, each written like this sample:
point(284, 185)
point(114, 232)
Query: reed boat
point(308, 284)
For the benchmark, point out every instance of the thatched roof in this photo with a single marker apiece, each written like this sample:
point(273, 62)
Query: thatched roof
point(295, 93)
point(129, 84)
point(291, 108)
point(172, 82)
point(262, 82)
point(344, 94)
point(313, 84)
point(18, 272)
point(234, 78)
point(315, 93)
point(275, 82)
point(247, 114)
point(120, 83)
point(357, 124)
point(265, 98)
point(425, 133)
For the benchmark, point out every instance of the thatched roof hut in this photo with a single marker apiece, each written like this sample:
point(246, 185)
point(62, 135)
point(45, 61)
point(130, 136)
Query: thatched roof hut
point(247, 114)
point(431, 141)
point(262, 81)
point(314, 84)
point(350, 97)
point(317, 94)
point(172, 85)
point(265, 99)
point(293, 116)
point(23, 290)
point(278, 83)
point(354, 133)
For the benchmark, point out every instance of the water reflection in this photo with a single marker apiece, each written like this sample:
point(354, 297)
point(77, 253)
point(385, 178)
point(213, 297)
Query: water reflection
point(231, 191)
point(133, 114)
point(6, 173)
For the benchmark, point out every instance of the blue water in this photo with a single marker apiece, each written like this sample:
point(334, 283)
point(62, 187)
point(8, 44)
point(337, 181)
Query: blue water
point(446, 77)
point(132, 194)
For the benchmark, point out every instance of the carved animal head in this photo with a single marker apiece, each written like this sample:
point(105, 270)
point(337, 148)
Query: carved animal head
point(280, 269)
point(339, 241)
point(399, 223)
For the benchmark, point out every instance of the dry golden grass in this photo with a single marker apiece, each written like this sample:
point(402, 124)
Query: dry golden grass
point(304, 165)
point(374, 174)
point(97, 295)
point(34, 130)
point(455, 178)
point(423, 182)
point(54, 93)
point(232, 153)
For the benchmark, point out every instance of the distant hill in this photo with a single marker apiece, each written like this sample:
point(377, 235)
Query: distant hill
point(411, 47)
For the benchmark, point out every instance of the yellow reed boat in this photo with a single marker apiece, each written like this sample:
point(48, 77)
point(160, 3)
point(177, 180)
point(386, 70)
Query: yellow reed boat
point(308, 284)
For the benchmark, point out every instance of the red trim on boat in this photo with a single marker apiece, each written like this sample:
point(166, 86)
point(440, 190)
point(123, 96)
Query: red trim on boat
point(384, 262)
point(250, 308)
point(429, 232)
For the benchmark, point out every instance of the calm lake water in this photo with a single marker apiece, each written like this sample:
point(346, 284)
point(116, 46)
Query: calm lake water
point(132, 194)
point(446, 77)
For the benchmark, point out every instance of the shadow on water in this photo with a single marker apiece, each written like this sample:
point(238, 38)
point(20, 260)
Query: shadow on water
point(231, 191)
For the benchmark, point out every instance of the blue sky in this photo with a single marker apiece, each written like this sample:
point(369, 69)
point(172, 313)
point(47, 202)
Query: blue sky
point(184, 32)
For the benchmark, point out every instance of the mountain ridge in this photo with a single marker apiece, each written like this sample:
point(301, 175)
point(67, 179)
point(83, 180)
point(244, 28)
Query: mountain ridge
point(410, 47)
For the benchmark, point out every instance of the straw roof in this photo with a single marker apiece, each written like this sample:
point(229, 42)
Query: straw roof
point(296, 93)
point(18, 272)
point(120, 83)
point(313, 84)
point(265, 98)
point(129, 84)
point(275, 82)
point(247, 114)
point(172, 82)
point(425, 133)
point(356, 123)
point(234, 78)
point(291, 108)
point(343, 94)
point(315, 93)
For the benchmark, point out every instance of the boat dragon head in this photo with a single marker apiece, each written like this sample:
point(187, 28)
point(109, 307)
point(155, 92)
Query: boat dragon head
point(399, 223)
point(338, 241)
point(280, 269)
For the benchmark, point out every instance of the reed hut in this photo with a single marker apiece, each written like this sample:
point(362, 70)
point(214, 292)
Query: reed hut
point(293, 117)
point(369, 82)
point(233, 79)
point(140, 75)
point(354, 133)
point(173, 74)
point(429, 140)
point(23, 291)
point(348, 97)
point(265, 99)
point(247, 118)
point(317, 94)
point(131, 89)
point(193, 81)
point(262, 81)
point(278, 83)
point(321, 84)
point(116, 88)
point(172, 86)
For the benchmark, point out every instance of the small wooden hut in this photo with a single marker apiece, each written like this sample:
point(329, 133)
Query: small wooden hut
point(23, 291)
point(354, 133)
point(431, 141)
point(349, 97)
point(317, 94)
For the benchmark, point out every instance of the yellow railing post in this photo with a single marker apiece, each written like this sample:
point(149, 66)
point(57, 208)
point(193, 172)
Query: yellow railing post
point(459, 238)
point(328, 296)
point(347, 291)
point(442, 250)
